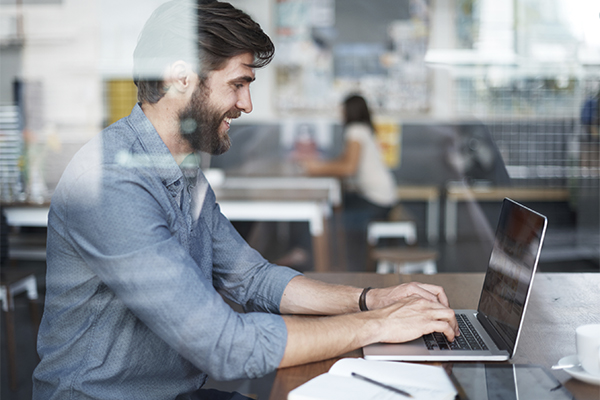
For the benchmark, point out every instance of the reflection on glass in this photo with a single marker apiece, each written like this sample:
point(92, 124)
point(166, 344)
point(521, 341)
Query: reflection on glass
point(506, 382)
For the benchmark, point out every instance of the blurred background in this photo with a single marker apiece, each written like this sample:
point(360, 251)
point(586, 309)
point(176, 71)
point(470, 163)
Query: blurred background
point(473, 100)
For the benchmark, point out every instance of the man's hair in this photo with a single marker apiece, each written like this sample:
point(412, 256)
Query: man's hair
point(203, 33)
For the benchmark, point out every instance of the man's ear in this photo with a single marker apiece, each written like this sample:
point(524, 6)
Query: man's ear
point(178, 77)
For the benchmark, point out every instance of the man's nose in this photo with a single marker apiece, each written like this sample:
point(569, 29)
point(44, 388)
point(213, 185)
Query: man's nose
point(244, 102)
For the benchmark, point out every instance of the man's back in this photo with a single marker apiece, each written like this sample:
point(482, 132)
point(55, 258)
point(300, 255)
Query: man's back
point(80, 306)
point(130, 275)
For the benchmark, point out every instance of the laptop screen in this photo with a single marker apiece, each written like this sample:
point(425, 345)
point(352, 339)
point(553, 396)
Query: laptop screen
point(514, 258)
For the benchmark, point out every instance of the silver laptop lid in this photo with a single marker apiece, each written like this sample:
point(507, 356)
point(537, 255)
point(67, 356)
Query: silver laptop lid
point(508, 281)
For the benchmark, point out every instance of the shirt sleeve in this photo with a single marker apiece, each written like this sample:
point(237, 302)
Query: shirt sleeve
point(239, 272)
point(121, 230)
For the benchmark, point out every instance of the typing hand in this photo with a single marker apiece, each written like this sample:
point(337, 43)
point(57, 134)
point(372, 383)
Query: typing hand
point(413, 317)
point(378, 298)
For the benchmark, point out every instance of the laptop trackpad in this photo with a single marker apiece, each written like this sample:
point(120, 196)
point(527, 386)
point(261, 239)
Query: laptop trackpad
point(415, 347)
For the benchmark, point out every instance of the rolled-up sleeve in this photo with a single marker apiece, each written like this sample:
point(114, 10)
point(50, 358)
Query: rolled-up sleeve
point(242, 274)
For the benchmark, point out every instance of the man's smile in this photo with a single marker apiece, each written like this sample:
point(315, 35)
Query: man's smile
point(230, 116)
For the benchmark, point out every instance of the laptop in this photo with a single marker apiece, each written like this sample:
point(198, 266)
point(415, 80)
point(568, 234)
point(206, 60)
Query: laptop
point(491, 332)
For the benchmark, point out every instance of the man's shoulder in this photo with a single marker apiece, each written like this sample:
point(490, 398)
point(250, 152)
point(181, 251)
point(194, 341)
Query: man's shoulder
point(103, 148)
point(108, 151)
point(117, 137)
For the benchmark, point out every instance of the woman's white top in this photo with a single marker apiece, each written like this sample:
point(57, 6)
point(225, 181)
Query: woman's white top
point(373, 180)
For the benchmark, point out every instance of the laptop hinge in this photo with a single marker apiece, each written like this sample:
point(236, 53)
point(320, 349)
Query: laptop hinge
point(489, 328)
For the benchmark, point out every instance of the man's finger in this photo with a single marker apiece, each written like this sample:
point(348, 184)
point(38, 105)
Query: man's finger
point(445, 315)
point(437, 292)
point(443, 327)
point(422, 290)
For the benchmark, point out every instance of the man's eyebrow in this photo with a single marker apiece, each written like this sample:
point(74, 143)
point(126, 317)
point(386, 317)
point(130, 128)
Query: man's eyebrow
point(245, 78)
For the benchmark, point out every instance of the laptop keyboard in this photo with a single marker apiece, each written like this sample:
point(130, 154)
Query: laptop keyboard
point(469, 339)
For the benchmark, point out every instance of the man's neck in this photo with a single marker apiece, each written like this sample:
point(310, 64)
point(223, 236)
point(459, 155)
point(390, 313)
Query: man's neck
point(164, 118)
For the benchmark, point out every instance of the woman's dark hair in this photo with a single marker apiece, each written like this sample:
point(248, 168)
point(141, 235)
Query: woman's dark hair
point(204, 33)
point(357, 110)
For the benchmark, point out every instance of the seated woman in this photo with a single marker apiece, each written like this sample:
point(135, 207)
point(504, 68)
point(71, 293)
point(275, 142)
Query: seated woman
point(370, 186)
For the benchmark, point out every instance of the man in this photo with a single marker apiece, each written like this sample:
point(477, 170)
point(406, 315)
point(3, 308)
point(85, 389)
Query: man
point(139, 254)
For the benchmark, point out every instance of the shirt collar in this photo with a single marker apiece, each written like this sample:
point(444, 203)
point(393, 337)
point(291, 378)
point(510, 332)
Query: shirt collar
point(156, 150)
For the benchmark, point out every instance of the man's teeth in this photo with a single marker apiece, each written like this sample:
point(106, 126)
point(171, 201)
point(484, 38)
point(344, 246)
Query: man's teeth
point(228, 121)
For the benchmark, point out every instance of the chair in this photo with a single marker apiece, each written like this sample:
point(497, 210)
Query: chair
point(11, 285)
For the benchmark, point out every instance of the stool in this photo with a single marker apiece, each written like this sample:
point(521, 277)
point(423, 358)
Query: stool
point(399, 260)
point(396, 229)
point(11, 285)
point(405, 260)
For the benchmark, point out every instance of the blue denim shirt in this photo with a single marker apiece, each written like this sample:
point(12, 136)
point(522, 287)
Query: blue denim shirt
point(138, 258)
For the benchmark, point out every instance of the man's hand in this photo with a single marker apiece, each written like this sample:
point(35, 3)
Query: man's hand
point(397, 314)
point(412, 317)
point(378, 298)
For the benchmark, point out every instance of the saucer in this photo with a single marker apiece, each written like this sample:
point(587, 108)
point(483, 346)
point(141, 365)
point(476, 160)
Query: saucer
point(578, 372)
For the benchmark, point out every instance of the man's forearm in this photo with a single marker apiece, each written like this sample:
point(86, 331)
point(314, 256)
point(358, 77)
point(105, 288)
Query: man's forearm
point(313, 338)
point(310, 297)
point(398, 314)
point(319, 338)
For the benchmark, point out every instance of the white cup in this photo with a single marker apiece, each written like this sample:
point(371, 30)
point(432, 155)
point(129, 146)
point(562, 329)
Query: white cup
point(588, 348)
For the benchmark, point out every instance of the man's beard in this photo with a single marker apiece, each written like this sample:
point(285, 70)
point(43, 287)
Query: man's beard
point(199, 124)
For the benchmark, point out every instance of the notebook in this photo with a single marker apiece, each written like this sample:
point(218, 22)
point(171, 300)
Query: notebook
point(499, 316)
point(422, 382)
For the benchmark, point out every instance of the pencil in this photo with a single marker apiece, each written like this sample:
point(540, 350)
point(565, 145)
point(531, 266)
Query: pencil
point(383, 385)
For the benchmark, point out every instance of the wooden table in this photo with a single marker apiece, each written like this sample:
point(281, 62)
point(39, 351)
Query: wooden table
point(559, 303)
